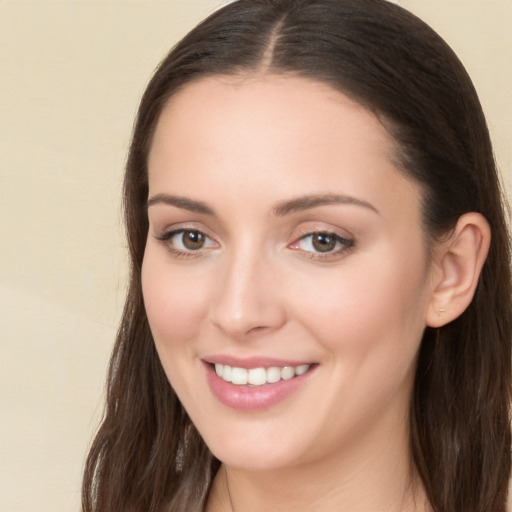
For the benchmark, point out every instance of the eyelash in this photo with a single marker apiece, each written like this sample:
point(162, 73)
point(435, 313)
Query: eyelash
point(344, 244)
point(190, 253)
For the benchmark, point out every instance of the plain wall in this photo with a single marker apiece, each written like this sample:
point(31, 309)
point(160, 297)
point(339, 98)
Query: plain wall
point(71, 74)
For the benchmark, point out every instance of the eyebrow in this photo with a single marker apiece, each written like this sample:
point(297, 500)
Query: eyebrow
point(181, 202)
point(313, 201)
point(280, 209)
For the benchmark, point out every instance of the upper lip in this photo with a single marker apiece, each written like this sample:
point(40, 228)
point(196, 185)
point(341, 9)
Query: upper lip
point(253, 362)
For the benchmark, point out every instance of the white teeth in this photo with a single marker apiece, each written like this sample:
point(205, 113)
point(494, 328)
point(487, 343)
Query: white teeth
point(273, 374)
point(238, 375)
point(259, 376)
point(301, 369)
point(226, 373)
point(287, 373)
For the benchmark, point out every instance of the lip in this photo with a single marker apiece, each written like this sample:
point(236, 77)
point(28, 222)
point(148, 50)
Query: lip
point(257, 398)
point(252, 362)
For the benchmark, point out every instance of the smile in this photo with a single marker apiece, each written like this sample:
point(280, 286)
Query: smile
point(258, 376)
point(257, 384)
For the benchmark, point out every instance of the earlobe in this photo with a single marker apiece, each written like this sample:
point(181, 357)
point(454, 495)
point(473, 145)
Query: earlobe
point(458, 263)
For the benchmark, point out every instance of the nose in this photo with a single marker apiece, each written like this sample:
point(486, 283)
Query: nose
point(247, 298)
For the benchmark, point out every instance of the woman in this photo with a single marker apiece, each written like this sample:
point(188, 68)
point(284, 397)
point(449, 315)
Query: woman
point(318, 315)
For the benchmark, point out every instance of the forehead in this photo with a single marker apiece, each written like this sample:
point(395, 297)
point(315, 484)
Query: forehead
point(301, 107)
point(274, 135)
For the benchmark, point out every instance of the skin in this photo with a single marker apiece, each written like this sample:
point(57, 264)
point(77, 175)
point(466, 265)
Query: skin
point(258, 288)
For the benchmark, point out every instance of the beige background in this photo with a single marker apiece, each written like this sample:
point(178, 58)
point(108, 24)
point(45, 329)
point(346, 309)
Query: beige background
point(71, 73)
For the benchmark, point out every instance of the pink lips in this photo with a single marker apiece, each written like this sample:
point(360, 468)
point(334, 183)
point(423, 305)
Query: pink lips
point(248, 398)
point(253, 362)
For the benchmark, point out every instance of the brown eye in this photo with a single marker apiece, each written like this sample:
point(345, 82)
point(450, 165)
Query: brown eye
point(324, 242)
point(193, 240)
point(187, 242)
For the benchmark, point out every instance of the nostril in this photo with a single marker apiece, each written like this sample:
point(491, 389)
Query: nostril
point(257, 329)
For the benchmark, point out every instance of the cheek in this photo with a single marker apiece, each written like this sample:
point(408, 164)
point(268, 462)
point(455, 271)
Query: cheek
point(175, 305)
point(369, 308)
point(370, 326)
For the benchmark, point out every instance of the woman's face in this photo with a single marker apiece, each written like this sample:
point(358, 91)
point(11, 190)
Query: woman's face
point(286, 248)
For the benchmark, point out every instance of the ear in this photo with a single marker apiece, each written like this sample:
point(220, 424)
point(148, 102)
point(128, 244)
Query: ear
point(456, 268)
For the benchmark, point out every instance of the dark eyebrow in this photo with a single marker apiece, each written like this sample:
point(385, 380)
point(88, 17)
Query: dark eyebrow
point(181, 202)
point(312, 201)
point(280, 209)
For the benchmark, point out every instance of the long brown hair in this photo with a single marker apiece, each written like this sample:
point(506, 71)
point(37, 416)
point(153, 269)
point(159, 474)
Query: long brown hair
point(147, 456)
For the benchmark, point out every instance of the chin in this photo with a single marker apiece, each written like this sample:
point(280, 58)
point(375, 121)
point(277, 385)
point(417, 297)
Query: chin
point(258, 450)
point(253, 460)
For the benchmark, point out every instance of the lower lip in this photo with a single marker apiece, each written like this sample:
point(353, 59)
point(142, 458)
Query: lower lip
point(246, 398)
